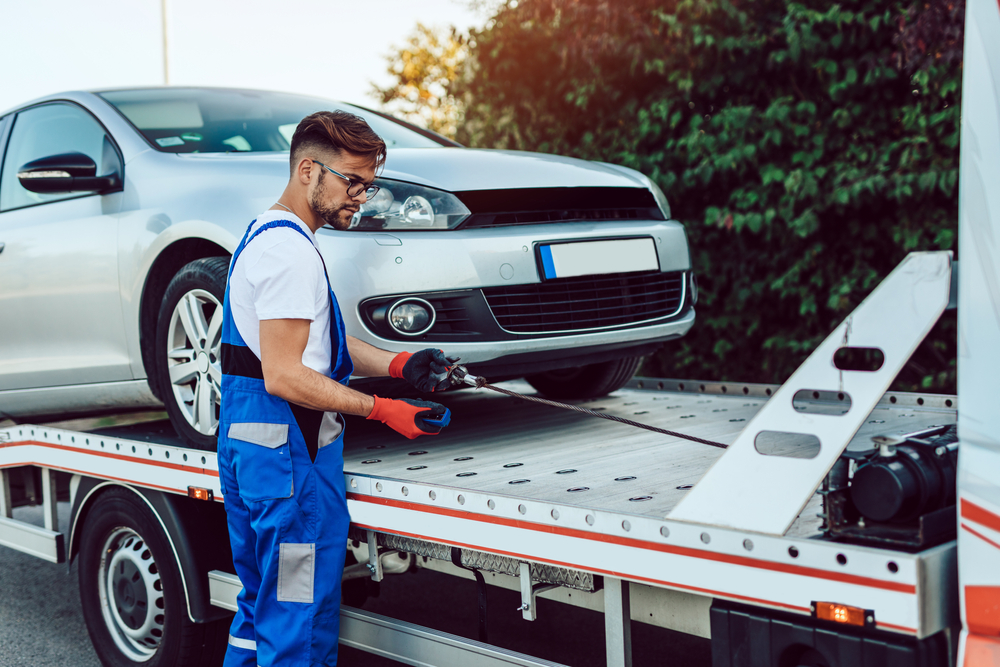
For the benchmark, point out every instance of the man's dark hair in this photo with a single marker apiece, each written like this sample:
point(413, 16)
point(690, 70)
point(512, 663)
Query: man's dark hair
point(336, 131)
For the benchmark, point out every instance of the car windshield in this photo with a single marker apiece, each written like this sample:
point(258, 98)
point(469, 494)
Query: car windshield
point(193, 120)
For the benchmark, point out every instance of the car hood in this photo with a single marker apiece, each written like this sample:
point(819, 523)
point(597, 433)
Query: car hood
point(464, 169)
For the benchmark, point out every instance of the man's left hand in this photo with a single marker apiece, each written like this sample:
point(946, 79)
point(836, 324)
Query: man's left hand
point(427, 370)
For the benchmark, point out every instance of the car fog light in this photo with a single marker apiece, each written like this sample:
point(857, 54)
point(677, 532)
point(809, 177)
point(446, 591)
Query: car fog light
point(411, 317)
point(417, 211)
point(694, 289)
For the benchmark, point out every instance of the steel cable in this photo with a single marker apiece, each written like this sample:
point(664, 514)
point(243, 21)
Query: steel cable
point(483, 384)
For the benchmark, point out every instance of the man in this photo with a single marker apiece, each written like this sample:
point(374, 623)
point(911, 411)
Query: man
point(286, 361)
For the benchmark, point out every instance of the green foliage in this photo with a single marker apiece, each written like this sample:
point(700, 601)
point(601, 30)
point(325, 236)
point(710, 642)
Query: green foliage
point(802, 155)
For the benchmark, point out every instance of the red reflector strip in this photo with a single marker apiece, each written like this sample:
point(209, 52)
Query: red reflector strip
point(199, 493)
point(843, 614)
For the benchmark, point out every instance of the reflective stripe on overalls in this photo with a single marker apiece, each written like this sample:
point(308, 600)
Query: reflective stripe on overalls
point(287, 513)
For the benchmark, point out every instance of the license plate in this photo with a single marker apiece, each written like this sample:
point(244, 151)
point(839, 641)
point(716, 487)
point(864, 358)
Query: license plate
point(591, 258)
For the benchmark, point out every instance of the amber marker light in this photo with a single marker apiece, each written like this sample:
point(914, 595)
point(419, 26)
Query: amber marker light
point(843, 614)
point(199, 493)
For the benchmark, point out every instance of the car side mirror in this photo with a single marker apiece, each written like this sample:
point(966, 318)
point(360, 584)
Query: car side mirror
point(68, 172)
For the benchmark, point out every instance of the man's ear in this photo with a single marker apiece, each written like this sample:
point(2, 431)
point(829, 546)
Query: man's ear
point(303, 171)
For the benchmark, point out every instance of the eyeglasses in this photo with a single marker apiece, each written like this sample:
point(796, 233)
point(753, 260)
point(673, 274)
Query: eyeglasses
point(354, 188)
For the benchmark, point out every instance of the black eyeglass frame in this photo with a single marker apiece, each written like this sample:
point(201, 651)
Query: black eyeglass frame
point(369, 190)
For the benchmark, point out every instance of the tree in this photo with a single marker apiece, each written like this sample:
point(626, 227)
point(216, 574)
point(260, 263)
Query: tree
point(424, 71)
point(807, 147)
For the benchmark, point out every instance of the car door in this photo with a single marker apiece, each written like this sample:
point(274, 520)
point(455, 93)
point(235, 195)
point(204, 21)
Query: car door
point(60, 308)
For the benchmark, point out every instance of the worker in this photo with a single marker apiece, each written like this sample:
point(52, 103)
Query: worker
point(286, 360)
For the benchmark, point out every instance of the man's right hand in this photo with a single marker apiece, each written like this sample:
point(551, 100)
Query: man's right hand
point(409, 417)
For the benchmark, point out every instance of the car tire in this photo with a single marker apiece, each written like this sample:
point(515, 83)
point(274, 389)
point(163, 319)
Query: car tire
point(188, 343)
point(588, 381)
point(132, 593)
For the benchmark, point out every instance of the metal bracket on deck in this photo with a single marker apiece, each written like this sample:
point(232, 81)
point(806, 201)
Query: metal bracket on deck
point(528, 592)
point(764, 492)
point(618, 622)
point(374, 562)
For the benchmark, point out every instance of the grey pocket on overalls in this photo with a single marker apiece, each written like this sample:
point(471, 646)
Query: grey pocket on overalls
point(262, 460)
point(296, 570)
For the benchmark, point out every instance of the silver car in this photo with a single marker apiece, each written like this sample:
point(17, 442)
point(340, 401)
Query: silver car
point(119, 211)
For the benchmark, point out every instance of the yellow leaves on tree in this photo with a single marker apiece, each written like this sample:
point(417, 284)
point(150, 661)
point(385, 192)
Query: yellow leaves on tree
point(423, 69)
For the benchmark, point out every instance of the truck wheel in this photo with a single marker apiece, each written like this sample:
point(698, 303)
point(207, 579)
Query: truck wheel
point(132, 593)
point(588, 381)
point(188, 340)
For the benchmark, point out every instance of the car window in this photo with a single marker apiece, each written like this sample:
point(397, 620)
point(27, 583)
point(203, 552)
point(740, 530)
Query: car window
point(201, 120)
point(41, 132)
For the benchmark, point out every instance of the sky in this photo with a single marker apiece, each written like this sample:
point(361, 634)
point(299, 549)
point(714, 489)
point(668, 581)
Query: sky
point(333, 49)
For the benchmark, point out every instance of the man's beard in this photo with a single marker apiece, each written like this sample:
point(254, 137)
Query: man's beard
point(338, 217)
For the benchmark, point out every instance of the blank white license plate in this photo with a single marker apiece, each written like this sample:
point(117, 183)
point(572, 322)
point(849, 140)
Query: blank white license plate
point(590, 258)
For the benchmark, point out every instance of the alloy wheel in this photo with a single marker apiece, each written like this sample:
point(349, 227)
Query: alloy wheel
point(194, 340)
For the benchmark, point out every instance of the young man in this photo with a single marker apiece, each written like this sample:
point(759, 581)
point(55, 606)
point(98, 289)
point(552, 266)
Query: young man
point(286, 361)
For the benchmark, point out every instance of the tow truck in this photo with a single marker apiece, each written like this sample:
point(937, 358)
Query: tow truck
point(839, 523)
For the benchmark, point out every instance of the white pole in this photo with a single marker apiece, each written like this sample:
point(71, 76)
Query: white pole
point(163, 24)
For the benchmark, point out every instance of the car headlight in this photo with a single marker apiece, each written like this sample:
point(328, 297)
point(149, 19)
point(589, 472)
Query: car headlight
point(401, 206)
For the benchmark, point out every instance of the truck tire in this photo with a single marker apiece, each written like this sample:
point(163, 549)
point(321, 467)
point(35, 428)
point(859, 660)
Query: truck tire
point(132, 593)
point(188, 340)
point(588, 381)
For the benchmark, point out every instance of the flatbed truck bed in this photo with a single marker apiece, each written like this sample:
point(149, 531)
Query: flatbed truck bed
point(569, 507)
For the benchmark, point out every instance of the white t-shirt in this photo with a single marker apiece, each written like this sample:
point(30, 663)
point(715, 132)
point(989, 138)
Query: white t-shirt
point(279, 275)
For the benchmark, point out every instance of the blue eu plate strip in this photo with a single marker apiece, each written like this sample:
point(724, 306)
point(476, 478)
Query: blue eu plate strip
point(548, 267)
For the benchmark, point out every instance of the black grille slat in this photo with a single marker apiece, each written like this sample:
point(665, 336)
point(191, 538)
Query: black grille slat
point(533, 206)
point(583, 303)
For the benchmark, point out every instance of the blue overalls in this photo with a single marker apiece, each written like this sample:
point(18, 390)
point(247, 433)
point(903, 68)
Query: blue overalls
point(286, 506)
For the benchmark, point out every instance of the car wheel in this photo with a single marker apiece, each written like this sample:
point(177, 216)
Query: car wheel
point(132, 593)
point(188, 341)
point(588, 381)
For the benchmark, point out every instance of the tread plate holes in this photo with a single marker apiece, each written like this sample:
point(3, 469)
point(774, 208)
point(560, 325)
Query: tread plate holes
point(416, 467)
point(864, 359)
point(819, 402)
point(367, 461)
point(513, 465)
point(375, 447)
point(577, 489)
point(627, 478)
point(567, 471)
point(463, 458)
point(640, 499)
point(466, 474)
point(519, 481)
point(788, 445)
point(685, 487)
point(418, 453)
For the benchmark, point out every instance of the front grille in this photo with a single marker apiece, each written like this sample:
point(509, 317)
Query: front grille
point(566, 215)
point(590, 302)
point(533, 206)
